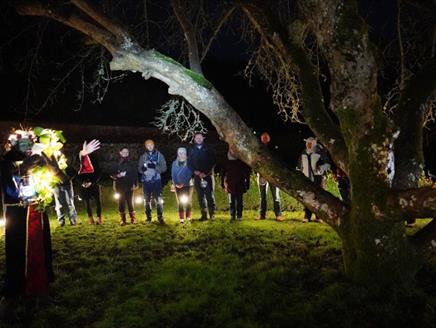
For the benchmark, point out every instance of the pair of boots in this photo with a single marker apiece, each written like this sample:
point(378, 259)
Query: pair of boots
point(123, 218)
point(182, 217)
point(204, 215)
point(92, 221)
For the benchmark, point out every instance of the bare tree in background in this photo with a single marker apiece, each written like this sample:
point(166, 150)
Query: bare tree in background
point(300, 41)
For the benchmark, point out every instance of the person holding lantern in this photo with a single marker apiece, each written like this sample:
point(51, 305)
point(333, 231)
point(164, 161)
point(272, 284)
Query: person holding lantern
point(263, 185)
point(125, 182)
point(29, 173)
point(151, 165)
point(181, 176)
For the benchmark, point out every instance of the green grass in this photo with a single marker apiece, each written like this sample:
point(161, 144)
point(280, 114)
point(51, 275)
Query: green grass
point(210, 274)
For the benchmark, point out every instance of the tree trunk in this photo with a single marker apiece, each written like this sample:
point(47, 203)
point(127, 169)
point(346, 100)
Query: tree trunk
point(377, 253)
point(375, 248)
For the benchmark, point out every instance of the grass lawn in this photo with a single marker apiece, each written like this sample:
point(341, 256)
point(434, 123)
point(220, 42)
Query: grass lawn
point(211, 274)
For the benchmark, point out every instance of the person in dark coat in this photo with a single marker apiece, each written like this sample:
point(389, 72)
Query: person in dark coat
point(202, 162)
point(89, 176)
point(125, 182)
point(235, 180)
point(181, 176)
point(28, 246)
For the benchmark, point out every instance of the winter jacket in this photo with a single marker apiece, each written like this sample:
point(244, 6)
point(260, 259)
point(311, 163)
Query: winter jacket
point(128, 181)
point(151, 166)
point(312, 164)
point(89, 170)
point(181, 174)
point(236, 177)
point(202, 159)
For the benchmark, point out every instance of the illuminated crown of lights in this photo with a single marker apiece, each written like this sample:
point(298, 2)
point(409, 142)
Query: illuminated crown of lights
point(19, 134)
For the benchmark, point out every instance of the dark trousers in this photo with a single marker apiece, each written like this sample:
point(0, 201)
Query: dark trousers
point(184, 208)
point(93, 192)
point(152, 191)
point(236, 203)
point(206, 198)
point(126, 197)
point(318, 180)
point(275, 196)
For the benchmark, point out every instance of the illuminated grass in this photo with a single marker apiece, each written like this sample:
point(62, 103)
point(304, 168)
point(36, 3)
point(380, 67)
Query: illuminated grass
point(208, 274)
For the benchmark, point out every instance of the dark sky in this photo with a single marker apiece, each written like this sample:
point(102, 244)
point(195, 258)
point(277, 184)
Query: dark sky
point(134, 101)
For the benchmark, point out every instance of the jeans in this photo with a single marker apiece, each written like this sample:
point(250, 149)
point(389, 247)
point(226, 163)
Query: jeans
point(263, 187)
point(206, 198)
point(236, 205)
point(64, 200)
point(152, 191)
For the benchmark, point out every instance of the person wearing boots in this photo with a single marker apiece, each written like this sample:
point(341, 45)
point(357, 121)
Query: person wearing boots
point(314, 164)
point(125, 182)
point(235, 180)
point(151, 165)
point(263, 186)
point(181, 176)
point(202, 162)
point(89, 176)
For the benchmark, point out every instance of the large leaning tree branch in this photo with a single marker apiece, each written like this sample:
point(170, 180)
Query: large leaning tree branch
point(200, 93)
point(101, 36)
point(425, 240)
point(291, 50)
point(108, 23)
point(409, 157)
point(190, 36)
point(414, 203)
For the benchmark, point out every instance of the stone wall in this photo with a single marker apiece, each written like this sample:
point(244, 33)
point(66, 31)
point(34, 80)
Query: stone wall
point(113, 138)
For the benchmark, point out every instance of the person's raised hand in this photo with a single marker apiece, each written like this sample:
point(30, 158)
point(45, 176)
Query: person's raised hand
point(90, 147)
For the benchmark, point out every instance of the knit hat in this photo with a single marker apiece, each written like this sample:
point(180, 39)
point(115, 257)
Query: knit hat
point(148, 141)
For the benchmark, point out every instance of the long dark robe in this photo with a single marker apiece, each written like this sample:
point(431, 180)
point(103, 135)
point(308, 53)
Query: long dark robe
point(27, 237)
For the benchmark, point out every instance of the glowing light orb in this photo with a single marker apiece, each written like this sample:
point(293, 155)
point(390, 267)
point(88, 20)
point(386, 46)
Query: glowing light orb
point(116, 196)
point(2, 222)
point(138, 200)
point(184, 199)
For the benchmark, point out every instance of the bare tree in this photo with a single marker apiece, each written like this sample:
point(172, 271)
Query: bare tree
point(375, 247)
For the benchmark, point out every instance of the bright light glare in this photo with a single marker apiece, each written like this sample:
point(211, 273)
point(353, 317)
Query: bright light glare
point(2, 222)
point(184, 199)
point(117, 195)
point(138, 200)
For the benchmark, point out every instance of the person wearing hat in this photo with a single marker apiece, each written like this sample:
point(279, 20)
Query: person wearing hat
point(314, 164)
point(263, 185)
point(202, 161)
point(151, 165)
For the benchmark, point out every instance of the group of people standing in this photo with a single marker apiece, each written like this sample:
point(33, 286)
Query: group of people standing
point(28, 245)
point(192, 169)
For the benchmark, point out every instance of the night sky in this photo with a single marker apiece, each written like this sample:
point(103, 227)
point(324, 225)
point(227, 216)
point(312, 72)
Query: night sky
point(134, 101)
